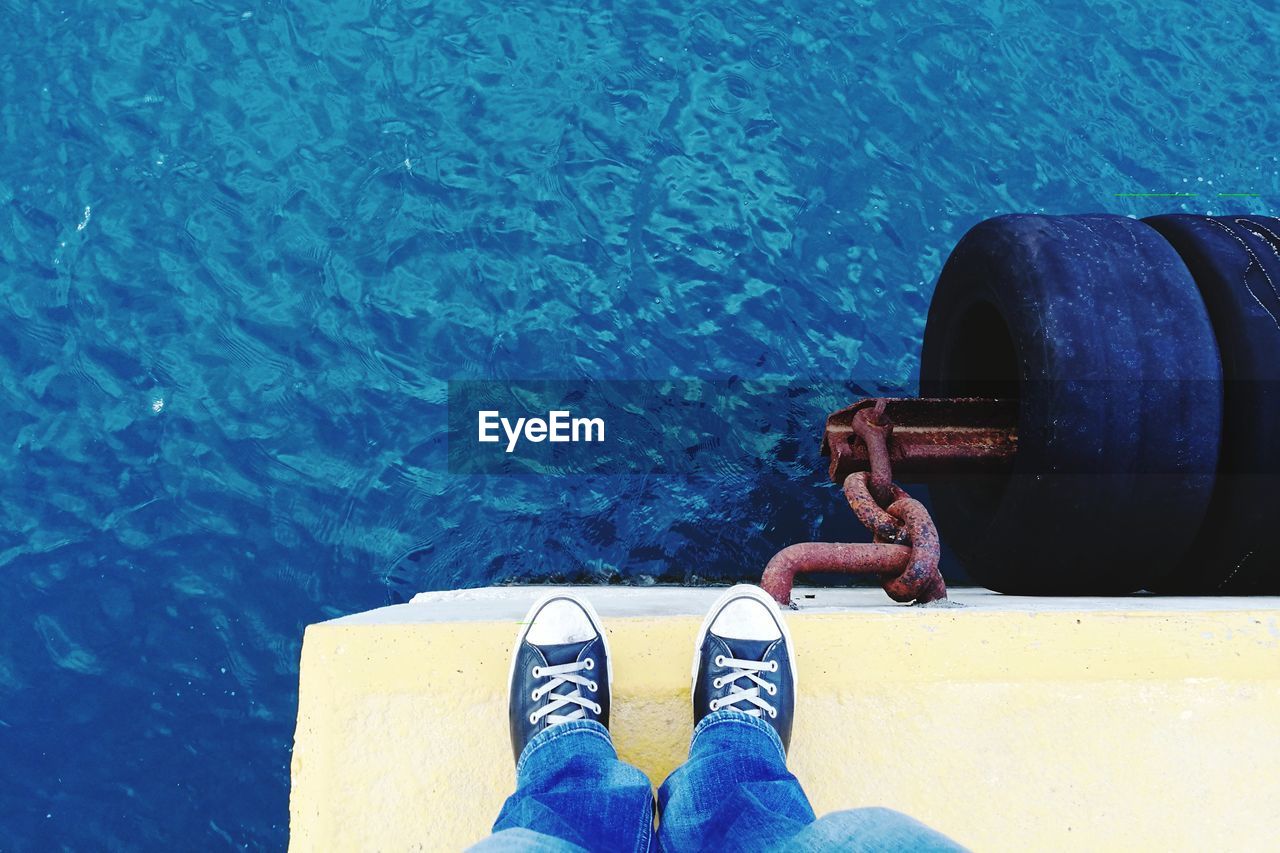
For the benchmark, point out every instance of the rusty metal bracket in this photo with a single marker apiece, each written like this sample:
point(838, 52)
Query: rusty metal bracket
point(930, 436)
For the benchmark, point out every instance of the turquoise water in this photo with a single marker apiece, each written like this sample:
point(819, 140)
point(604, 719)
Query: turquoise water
point(244, 248)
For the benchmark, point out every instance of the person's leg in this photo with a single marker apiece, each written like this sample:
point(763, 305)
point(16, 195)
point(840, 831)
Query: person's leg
point(735, 791)
point(572, 792)
point(870, 830)
point(571, 785)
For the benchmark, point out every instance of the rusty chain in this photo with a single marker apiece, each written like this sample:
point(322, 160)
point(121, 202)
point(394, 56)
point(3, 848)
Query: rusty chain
point(905, 548)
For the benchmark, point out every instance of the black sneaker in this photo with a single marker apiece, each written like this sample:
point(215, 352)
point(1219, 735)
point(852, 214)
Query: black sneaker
point(744, 660)
point(560, 669)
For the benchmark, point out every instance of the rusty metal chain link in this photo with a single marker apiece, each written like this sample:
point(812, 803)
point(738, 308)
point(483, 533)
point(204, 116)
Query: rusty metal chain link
point(905, 549)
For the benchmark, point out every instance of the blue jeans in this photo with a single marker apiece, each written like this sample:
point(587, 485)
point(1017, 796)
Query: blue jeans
point(734, 792)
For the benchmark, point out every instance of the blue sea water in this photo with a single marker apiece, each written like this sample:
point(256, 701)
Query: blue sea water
point(244, 247)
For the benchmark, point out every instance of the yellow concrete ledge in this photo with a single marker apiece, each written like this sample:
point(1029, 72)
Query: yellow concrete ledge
point(1009, 724)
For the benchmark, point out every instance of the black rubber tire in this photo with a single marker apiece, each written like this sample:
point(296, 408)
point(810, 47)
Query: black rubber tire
point(1235, 261)
point(1095, 324)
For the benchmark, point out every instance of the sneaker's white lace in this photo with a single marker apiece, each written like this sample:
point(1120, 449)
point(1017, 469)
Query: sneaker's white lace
point(564, 674)
point(748, 694)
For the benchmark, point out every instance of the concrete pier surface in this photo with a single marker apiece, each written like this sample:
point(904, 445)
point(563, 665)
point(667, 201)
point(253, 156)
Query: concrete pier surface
point(1009, 723)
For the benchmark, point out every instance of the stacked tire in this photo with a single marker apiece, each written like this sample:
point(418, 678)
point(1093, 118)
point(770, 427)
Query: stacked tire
point(1145, 359)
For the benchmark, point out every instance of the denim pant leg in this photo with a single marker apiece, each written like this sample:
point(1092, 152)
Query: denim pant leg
point(870, 830)
point(572, 793)
point(734, 792)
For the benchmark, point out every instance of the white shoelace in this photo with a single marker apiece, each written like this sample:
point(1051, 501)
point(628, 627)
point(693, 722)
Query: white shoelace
point(750, 694)
point(564, 674)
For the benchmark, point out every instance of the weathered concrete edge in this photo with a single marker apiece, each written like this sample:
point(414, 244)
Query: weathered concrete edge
point(502, 603)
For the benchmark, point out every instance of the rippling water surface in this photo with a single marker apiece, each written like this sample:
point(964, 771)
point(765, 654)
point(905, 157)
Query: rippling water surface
point(243, 248)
